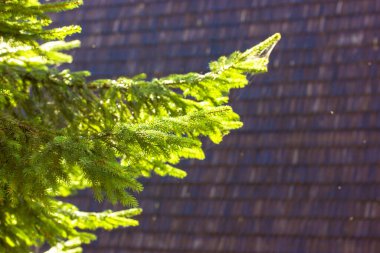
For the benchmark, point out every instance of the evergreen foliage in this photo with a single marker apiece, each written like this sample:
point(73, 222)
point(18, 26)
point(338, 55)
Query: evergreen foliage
point(60, 133)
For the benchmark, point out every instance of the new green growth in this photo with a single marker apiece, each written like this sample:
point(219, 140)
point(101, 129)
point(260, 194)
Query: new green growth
point(60, 132)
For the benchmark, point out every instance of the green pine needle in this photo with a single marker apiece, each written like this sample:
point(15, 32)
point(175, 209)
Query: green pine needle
point(60, 133)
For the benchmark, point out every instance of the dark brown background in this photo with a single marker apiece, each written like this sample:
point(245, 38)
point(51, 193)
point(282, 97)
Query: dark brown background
point(303, 174)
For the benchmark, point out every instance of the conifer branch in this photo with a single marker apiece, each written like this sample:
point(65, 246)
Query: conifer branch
point(60, 133)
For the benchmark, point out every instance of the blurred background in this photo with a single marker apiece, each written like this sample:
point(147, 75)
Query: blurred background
point(303, 174)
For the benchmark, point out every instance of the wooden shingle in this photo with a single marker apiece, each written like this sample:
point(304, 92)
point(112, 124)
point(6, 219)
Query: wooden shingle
point(303, 174)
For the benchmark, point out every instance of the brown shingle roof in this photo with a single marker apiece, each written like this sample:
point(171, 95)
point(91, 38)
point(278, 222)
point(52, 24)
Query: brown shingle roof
point(303, 174)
